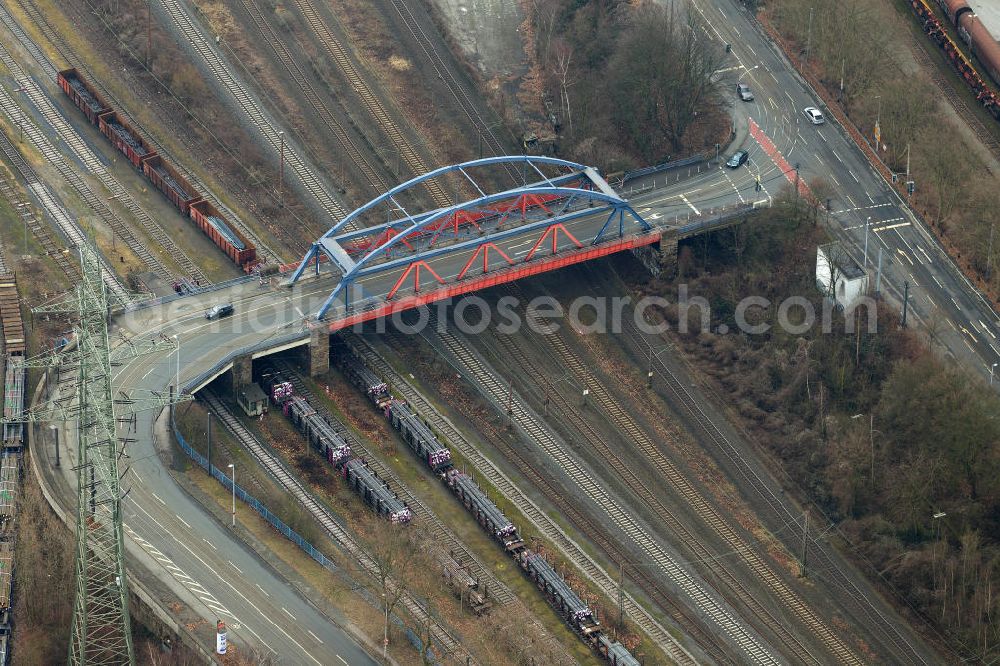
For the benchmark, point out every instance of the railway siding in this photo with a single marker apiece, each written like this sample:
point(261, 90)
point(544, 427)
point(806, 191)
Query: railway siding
point(67, 53)
point(539, 519)
point(91, 162)
point(66, 225)
point(333, 529)
point(753, 649)
point(498, 592)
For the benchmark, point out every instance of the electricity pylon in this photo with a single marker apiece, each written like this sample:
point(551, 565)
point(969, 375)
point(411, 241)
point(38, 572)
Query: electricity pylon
point(105, 425)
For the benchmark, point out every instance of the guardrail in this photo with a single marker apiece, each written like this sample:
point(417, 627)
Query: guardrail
point(665, 166)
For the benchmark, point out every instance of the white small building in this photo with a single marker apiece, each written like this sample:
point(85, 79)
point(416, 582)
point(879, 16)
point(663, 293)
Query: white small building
point(838, 276)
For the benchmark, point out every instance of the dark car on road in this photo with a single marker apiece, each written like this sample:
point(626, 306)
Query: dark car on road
point(738, 159)
point(219, 311)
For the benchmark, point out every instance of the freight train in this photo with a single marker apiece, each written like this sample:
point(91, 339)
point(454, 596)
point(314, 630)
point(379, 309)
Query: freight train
point(437, 457)
point(320, 434)
point(184, 196)
point(331, 445)
point(971, 29)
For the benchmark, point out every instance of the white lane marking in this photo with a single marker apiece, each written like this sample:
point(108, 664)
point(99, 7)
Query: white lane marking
point(891, 226)
point(772, 75)
point(924, 252)
point(209, 543)
point(854, 177)
point(342, 660)
point(821, 135)
point(838, 157)
point(969, 333)
point(956, 305)
point(771, 100)
point(995, 350)
point(986, 328)
point(934, 277)
point(234, 566)
point(905, 256)
point(315, 636)
point(262, 590)
point(789, 98)
point(834, 179)
point(869, 197)
point(968, 345)
point(950, 323)
point(159, 500)
point(288, 614)
point(848, 196)
point(685, 199)
point(183, 521)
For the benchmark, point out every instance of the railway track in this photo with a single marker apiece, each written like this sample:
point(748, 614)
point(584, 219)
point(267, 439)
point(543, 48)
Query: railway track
point(255, 115)
point(458, 90)
point(340, 56)
point(69, 55)
point(309, 93)
point(68, 226)
point(498, 592)
point(539, 519)
point(956, 101)
point(330, 526)
point(864, 610)
point(752, 648)
point(90, 161)
point(12, 193)
point(651, 585)
point(707, 513)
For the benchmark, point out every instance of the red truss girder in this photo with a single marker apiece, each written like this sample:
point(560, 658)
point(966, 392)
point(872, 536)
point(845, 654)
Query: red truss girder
point(493, 278)
point(485, 250)
point(458, 219)
point(415, 269)
point(524, 202)
point(554, 232)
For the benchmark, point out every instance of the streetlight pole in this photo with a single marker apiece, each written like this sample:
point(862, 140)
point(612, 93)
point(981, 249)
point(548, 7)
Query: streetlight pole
point(385, 630)
point(868, 223)
point(177, 381)
point(232, 467)
point(208, 429)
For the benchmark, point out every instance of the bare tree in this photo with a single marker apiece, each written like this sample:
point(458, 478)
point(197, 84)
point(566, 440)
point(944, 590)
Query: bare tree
point(664, 74)
point(563, 58)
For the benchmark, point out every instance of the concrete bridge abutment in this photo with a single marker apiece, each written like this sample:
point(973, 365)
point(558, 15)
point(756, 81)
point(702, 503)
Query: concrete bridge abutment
point(319, 352)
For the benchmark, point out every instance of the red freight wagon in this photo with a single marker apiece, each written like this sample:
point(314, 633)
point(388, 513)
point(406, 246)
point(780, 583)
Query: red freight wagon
point(124, 138)
point(232, 242)
point(82, 94)
point(171, 183)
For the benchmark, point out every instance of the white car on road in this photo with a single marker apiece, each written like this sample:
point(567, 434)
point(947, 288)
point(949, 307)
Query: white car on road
point(814, 115)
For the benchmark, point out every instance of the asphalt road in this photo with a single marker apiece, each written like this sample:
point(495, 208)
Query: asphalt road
point(217, 576)
point(171, 535)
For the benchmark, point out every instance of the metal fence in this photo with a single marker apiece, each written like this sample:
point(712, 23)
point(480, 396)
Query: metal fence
point(293, 536)
point(162, 300)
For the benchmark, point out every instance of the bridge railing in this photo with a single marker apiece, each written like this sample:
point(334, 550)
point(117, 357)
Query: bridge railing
point(162, 300)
